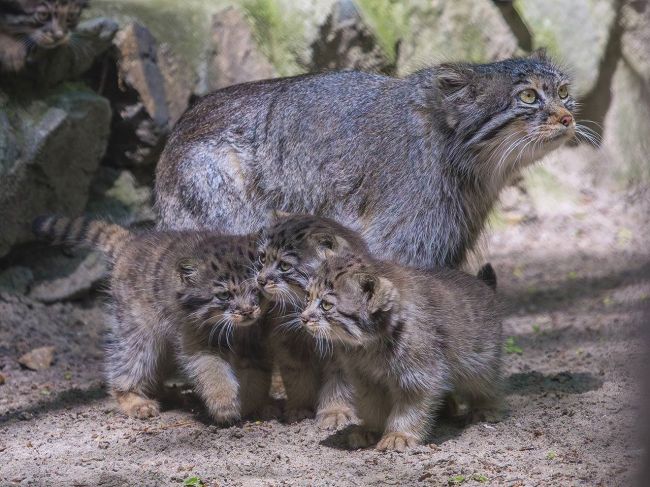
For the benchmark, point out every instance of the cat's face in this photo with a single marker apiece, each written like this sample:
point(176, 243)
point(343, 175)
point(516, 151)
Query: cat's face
point(513, 111)
point(347, 301)
point(290, 250)
point(218, 288)
point(45, 23)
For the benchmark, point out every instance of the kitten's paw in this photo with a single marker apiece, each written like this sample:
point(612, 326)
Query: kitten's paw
point(138, 406)
point(225, 414)
point(397, 441)
point(296, 415)
point(360, 437)
point(334, 418)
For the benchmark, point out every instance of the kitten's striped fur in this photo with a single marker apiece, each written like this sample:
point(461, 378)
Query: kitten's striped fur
point(178, 297)
point(406, 339)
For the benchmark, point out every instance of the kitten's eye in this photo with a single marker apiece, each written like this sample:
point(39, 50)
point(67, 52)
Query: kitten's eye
point(528, 96)
point(285, 266)
point(563, 91)
point(223, 296)
point(42, 16)
point(325, 306)
point(262, 258)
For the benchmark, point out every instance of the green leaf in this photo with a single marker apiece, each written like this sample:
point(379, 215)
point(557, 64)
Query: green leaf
point(193, 482)
point(479, 477)
point(511, 346)
point(551, 455)
point(457, 480)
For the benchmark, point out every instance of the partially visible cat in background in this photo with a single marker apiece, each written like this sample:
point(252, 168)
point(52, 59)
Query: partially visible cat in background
point(181, 297)
point(25, 24)
point(407, 338)
point(291, 249)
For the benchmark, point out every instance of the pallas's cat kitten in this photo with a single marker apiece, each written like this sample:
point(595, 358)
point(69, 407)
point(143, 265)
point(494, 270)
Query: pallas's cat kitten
point(414, 164)
point(25, 24)
point(290, 250)
point(406, 338)
point(188, 298)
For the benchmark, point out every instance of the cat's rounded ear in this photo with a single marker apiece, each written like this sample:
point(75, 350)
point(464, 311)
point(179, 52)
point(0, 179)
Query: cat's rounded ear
point(380, 292)
point(539, 54)
point(327, 244)
point(275, 215)
point(187, 270)
point(452, 78)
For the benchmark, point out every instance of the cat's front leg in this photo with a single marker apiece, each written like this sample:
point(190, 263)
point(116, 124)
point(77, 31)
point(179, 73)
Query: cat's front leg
point(335, 407)
point(215, 381)
point(409, 421)
point(13, 54)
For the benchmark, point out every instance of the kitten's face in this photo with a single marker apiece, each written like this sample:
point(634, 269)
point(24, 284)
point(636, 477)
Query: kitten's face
point(219, 287)
point(513, 111)
point(346, 302)
point(46, 23)
point(289, 252)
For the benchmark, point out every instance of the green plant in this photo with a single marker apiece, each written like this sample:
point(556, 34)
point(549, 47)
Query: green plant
point(511, 346)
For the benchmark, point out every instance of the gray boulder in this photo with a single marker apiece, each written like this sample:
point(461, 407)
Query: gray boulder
point(439, 30)
point(50, 148)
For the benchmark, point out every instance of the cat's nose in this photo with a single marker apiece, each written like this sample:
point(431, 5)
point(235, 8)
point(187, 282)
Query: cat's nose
point(261, 280)
point(566, 120)
point(304, 318)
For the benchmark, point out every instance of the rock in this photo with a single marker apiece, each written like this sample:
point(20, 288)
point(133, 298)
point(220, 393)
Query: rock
point(344, 41)
point(81, 278)
point(116, 194)
point(552, 24)
point(636, 38)
point(17, 279)
point(235, 56)
point(627, 126)
point(151, 91)
point(439, 30)
point(38, 359)
point(50, 147)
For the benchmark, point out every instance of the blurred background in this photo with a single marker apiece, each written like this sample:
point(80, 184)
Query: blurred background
point(81, 129)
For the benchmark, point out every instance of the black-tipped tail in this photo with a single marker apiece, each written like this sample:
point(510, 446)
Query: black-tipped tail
point(488, 276)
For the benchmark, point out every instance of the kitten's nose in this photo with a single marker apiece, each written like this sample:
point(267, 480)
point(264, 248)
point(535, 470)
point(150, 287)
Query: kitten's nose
point(566, 120)
point(261, 280)
point(304, 318)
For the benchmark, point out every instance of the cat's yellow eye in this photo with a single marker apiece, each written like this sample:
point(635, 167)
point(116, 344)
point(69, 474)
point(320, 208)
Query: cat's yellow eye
point(223, 295)
point(42, 15)
point(528, 96)
point(285, 266)
point(563, 91)
point(325, 306)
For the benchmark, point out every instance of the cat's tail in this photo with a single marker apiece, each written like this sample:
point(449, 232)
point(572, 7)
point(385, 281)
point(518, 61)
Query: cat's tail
point(82, 231)
point(488, 276)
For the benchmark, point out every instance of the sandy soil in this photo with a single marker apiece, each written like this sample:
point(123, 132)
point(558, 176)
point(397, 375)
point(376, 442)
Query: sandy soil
point(575, 272)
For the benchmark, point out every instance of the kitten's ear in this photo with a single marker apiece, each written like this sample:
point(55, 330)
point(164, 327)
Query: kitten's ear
point(327, 244)
point(380, 291)
point(275, 215)
point(452, 78)
point(539, 54)
point(188, 270)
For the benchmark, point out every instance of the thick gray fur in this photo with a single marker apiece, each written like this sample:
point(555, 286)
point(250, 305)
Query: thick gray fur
point(413, 164)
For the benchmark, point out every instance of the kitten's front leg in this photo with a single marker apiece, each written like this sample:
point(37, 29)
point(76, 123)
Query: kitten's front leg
point(335, 398)
point(13, 53)
point(409, 420)
point(216, 383)
point(372, 404)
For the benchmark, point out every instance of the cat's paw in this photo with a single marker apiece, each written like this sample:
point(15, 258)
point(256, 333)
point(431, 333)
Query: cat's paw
point(138, 406)
point(296, 415)
point(397, 441)
point(360, 437)
point(334, 418)
point(224, 413)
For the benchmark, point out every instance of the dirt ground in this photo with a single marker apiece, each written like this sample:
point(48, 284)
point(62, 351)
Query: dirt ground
point(574, 270)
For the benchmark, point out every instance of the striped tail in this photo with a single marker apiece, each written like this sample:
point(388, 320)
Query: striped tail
point(84, 232)
point(488, 276)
